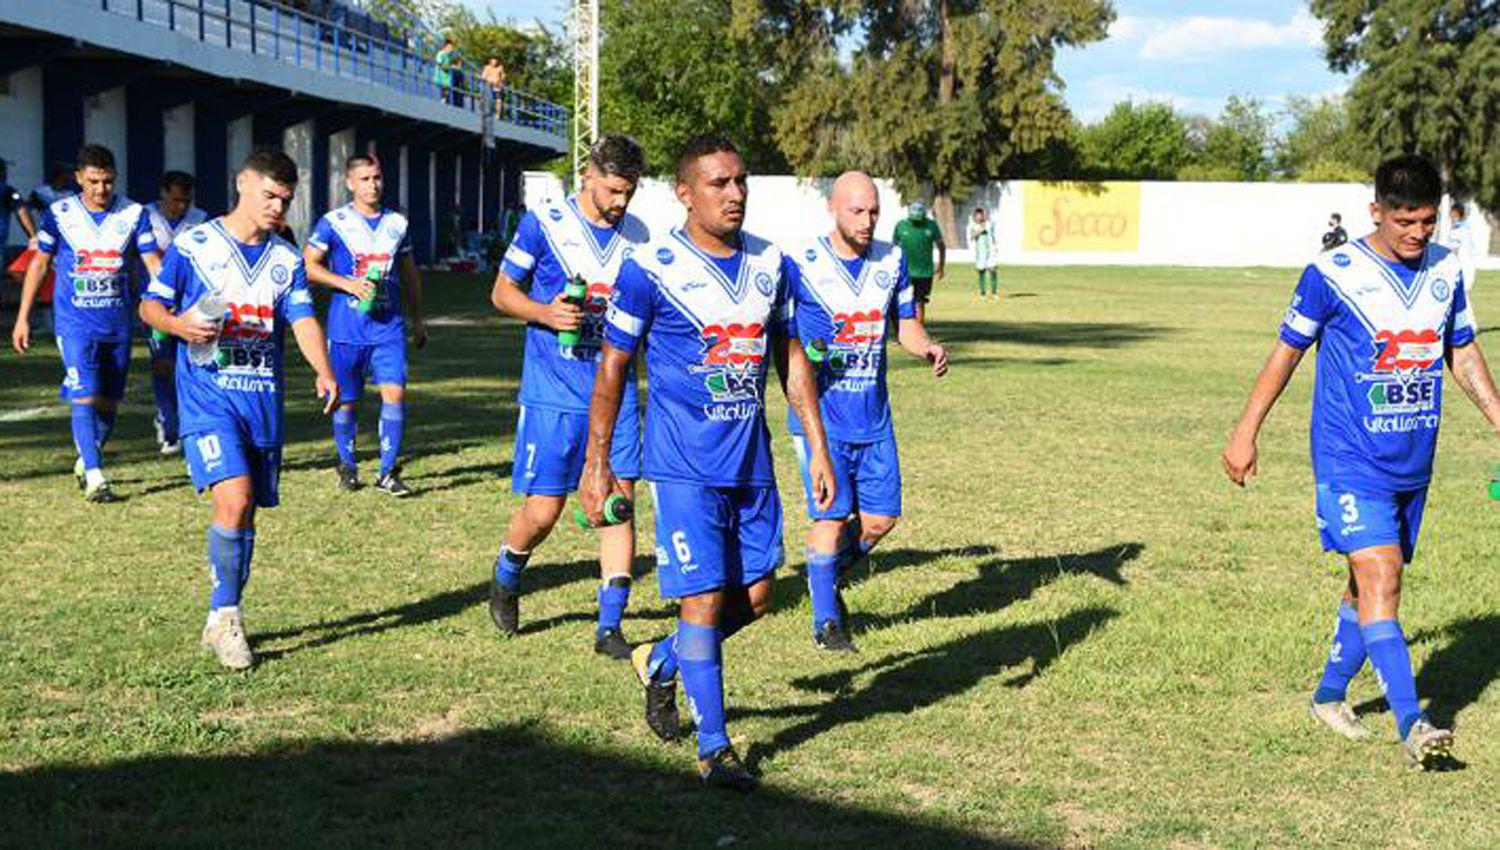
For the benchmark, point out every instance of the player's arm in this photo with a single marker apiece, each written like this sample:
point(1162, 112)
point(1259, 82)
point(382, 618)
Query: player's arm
point(942, 249)
point(23, 215)
point(912, 335)
point(1239, 456)
point(314, 257)
point(36, 272)
point(509, 298)
point(800, 382)
point(163, 293)
point(604, 408)
point(1466, 360)
point(314, 348)
point(411, 292)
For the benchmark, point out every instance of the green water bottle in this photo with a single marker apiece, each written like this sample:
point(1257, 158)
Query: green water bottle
point(617, 509)
point(374, 276)
point(575, 293)
point(158, 336)
point(817, 351)
point(1495, 484)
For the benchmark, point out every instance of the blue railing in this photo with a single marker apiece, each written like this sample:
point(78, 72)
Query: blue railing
point(357, 47)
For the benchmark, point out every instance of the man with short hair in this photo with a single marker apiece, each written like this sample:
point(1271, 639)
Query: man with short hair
point(709, 303)
point(1336, 234)
point(582, 240)
point(917, 236)
point(848, 286)
point(171, 214)
point(93, 238)
point(231, 396)
point(362, 251)
point(1386, 311)
point(1460, 240)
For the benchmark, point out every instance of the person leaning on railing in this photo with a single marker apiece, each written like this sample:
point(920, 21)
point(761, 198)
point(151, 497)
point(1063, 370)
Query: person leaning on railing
point(445, 72)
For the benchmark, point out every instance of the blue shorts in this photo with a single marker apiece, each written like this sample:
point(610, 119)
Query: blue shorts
point(224, 453)
point(551, 444)
point(866, 477)
point(1350, 520)
point(93, 368)
point(352, 363)
point(161, 349)
point(710, 538)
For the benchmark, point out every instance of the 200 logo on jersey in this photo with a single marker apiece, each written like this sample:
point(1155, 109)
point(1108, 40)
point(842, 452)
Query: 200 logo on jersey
point(1397, 383)
point(591, 334)
point(245, 342)
point(1403, 351)
point(733, 362)
point(96, 277)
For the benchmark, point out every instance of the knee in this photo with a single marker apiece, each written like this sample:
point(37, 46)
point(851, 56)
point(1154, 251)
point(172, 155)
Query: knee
point(542, 513)
point(234, 510)
point(876, 527)
point(393, 394)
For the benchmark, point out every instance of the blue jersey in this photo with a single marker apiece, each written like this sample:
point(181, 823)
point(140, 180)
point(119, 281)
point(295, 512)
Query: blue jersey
point(354, 244)
point(552, 246)
point(849, 303)
point(1382, 329)
point(265, 287)
point(93, 256)
point(165, 230)
point(707, 324)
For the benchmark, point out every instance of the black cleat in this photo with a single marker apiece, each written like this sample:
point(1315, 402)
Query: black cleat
point(661, 698)
point(101, 494)
point(391, 483)
point(505, 609)
point(613, 644)
point(833, 637)
point(348, 478)
point(724, 769)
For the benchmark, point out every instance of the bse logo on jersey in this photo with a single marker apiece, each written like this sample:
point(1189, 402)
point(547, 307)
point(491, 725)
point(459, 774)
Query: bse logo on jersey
point(1397, 385)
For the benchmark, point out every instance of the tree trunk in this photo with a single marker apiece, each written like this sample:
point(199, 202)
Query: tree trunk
point(942, 198)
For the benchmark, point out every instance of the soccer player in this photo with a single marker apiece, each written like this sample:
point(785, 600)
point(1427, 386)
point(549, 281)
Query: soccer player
point(1386, 311)
point(585, 238)
point(93, 238)
point(1460, 240)
point(172, 213)
point(355, 249)
point(709, 303)
point(847, 286)
point(917, 236)
point(231, 407)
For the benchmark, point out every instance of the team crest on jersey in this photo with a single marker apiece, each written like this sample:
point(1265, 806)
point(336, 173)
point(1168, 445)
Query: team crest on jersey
point(1342, 260)
point(665, 256)
point(764, 284)
point(1441, 290)
point(279, 275)
point(122, 227)
point(627, 253)
point(883, 280)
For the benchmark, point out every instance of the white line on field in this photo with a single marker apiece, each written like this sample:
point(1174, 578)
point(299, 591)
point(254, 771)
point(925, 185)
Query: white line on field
point(29, 413)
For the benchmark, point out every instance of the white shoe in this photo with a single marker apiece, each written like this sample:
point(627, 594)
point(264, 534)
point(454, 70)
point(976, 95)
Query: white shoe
point(1339, 717)
point(1426, 745)
point(171, 448)
point(224, 636)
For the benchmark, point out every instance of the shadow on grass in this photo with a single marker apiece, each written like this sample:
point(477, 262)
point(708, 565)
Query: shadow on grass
point(1047, 334)
point(322, 633)
point(791, 587)
point(1456, 675)
point(505, 787)
point(908, 681)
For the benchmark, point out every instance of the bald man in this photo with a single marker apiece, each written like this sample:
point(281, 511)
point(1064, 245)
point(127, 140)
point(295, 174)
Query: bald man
point(846, 286)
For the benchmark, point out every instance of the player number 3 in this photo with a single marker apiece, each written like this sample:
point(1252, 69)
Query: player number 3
point(1351, 510)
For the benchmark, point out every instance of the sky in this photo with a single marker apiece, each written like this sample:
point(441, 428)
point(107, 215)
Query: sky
point(1192, 54)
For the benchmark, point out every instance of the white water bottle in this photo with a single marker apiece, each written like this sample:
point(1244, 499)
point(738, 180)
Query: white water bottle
point(210, 308)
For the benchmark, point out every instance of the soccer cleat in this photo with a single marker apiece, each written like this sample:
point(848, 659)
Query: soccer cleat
point(78, 472)
point(505, 609)
point(1339, 717)
point(833, 637)
point(661, 698)
point(391, 483)
point(724, 769)
point(170, 448)
point(613, 644)
point(224, 636)
point(100, 493)
point(1426, 745)
point(348, 478)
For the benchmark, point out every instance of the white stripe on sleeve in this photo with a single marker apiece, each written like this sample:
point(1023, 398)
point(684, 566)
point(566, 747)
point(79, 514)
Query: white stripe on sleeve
point(519, 258)
point(160, 290)
point(624, 322)
point(1301, 324)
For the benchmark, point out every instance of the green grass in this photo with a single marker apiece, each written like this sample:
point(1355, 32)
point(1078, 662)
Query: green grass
point(1079, 635)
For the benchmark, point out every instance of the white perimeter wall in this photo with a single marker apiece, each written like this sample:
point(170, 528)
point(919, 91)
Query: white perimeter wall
point(178, 144)
point(21, 136)
point(104, 124)
point(1180, 224)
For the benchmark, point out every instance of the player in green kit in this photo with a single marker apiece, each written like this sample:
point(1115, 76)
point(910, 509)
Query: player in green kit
point(917, 236)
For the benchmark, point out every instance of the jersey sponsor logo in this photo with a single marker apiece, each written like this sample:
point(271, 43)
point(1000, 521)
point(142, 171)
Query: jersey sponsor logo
point(859, 328)
point(1390, 397)
point(1401, 424)
point(200, 237)
point(812, 256)
point(555, 214)
point(1404, 351)
point(665, 256)
point(596, 303)
point(732, 366)
point(1342, 260)
point(99, 261)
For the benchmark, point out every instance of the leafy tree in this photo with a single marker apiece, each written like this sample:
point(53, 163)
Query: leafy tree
point(1236, 146)
point(1146, 141)
point(1322, 144)
point(1429, 82)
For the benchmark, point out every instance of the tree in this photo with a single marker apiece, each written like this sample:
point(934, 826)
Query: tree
point(939, 94)
point(1147, 141)
point(1429, 82)
point(1322, 144)
point(1237, 146)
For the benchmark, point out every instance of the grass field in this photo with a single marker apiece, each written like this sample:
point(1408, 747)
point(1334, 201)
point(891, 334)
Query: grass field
point(1080, 635)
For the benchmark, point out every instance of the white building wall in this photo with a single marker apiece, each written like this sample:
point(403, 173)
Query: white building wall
point(104, 124)
point(340, 148)
point(297, 141)
point(178, 144)
point(21, 135)
point(241, 133)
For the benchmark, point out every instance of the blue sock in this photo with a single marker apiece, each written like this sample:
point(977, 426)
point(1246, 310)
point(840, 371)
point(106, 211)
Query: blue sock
point(392, 422)
point(247, 552)
point(662, 665)
point(852, 553)
point(702, 668)
point(508, 568)
point(822, 581)
point(1344, 659)
point(227, 562)
point(106, 425)
point(614, 595)
point(345, 430)
point(1392, 662)
point(86, 435)
point(164, 388)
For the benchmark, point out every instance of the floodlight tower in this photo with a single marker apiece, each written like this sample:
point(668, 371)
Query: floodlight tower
point(585, 25)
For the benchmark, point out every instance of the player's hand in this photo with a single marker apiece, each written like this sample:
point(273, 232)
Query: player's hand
point(598, 484)
point(1240, 459)
point(561, 315)
point(820, 470)
point(328, 390)
point(419, 334)
point(193, 329)
point(20, 337)
point(938, 357)
point(938, 275)
point(358, 287)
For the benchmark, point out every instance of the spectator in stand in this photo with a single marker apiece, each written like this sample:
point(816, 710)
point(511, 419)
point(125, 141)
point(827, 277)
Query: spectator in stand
point(445, 74)
point(1336, 234)
point(494, 77)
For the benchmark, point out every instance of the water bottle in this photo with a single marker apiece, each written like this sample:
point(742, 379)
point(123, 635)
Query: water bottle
point(1495, 484)
point(375, 277)
point(817, 351)
point(210, 308)
point(575, 293)
point(617, 509)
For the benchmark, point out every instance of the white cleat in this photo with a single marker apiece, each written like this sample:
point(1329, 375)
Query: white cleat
point(1339, 717)
point(1426, 745)
point(224, 636)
